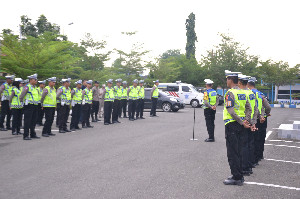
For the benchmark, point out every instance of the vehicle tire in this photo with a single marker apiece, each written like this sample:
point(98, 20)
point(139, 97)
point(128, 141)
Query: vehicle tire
point(194, 103)
point(166, 107)
point(175, 110)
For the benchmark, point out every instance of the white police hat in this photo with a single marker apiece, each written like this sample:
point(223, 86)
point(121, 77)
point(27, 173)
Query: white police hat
point(243, 77)
point(135, 81)
point(26, 81)
point(12, 77)
point(42, 82)
point(19, 80)
point(156, 81)
point(78, 82)
point(124, 82)
point(208, 81)
point(142, 81)
point(228, 73)
point(52, 79)
point(252, 79)
point(110, 81)
point(118, 80)
point(34, 76)
point(89, 81)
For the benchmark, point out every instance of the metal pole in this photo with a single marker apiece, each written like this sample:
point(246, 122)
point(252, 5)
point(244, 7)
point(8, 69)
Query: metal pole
point(290, 94)
point(193, 139)
point(272, 93)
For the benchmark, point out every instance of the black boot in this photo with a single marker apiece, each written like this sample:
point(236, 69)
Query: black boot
point(13, 131)
point(93, 119)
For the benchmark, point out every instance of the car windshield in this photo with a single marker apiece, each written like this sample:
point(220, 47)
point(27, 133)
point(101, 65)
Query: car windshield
point(193, 88)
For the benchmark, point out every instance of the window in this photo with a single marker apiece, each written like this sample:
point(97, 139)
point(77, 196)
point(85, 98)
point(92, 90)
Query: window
point(185, 89)
point(173, 88)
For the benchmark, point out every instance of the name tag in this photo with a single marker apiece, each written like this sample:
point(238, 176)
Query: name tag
point(252, 97)
point(241, 96)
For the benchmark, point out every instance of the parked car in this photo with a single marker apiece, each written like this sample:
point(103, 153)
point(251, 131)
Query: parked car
point(165, 102)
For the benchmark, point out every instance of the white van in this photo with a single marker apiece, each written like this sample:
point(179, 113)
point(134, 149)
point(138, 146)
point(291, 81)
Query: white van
point(186, 92)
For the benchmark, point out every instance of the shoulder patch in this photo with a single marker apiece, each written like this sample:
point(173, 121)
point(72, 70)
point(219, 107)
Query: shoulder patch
point(229, 102)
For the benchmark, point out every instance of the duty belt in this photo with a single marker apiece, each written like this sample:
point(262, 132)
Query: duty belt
point(118, 98)
point(242, 118)
point(33, 102)
point(111, 99)
point(16, 106)
point(133, 98)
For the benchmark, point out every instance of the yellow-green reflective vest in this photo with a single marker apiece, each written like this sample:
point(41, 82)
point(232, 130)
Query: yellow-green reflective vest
point(15, 103)
point(141, 92)
point(58, 100)
point(240, 99)
point(155, 92)
point(66, 96)
point(40, 92)
point(77, 97)
point(124, 93)
point(118, 92)
point(50, 98)
point(6, 92)
point(88, 96)
point(133, 93)
point(109, 94)
point(252, 100)
point(258, 99)
point(32, 95)
point(212, 97)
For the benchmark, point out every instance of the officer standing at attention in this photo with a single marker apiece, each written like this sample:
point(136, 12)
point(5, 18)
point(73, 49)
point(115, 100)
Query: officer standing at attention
point(76, 94)
point(154, 98)
point(64, 94)
point(24, 82)
point(211, 102)
point(117, 102)
point(95, 106)
point(30, 97)
point(124, 99)
point(58, 105)
point(87, 100)
point(132, 93)
point(140, 101)
point(237, 110)
point(40, 110)
point(108, 102)
point(16, 106)
point(5, 90)
point(48, 101)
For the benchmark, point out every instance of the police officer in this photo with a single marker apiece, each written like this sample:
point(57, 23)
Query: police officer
point(16, 106)
point(108, 102)
point(87, 100)
point(29, 97)
point(24, 83)
point(58, 104)
point(124, 99)
point(236, 119)
point(132, 93)
point(76, 105)
point(101, 100)
point(40, 110)
point(154, 98)
point(140, 101)
point(117, 102)
point(64, 94)
point(5, 90)
point(48, 101)
point(211, 102)
point(95, 106)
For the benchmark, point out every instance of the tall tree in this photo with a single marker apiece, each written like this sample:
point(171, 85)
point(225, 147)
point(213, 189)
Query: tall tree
point(191, 36)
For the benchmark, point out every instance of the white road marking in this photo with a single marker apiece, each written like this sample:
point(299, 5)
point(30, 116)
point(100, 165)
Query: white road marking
point(283, 141)
point(282, 145)
point(51, 130)
point(272, 185)
point(268, 134)
point(282, 161)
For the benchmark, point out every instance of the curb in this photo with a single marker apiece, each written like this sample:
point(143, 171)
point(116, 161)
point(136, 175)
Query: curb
point(284, 106)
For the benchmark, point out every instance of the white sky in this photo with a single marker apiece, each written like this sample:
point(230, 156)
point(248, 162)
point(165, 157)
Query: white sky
point(269, 27)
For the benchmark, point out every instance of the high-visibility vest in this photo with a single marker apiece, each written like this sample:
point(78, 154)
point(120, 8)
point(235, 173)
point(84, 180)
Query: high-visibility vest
point(77, 97)
point(124, 93)
point(15, 103)
point(252, 100)
point(141, 92)
point(58, 100)
point(211, 96)
point(133, 93)
point(109, 94)
point(66, 96)
point(118, 92)
point(32, 95)
point(50, 98)
point(40, 92)
point(88, 96)
point(240, 99)
point(6, 92)
point(258, 99)
point(155, 92)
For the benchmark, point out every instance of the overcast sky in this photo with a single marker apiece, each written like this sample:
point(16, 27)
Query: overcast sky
point(269, 27)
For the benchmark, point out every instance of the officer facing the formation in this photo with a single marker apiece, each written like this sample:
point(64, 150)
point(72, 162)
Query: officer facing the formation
point(154, 98)
point(95, 106)
point(30, 98)
point(124, 99)
point(64, 95)
point(5, 90)
point(132, 93)
point(40, 110)
point(236, 115)
point(16, 106)
point(117, 102)
point(211, 102)
point(140, 101)
point(76, 105)
point(108, 102)
point(48, 101)
point(87, 100)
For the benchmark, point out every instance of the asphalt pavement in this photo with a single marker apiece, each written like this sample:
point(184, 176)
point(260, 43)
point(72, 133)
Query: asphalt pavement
point(151, 158)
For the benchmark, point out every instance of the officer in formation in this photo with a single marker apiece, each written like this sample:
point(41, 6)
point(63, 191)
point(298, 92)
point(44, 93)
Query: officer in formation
point(40, 110)
point(108, 102)
point(132, 93)
point(154, 98)
point(5, 92)
point(211, 102)
point(87, 100)
point(95, 104)
point(16, 106)
point(140, 101)
point(76, 95)
point(117, 101)
point(241, 110)
point(124, 99)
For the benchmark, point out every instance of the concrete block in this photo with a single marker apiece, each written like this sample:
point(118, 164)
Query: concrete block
point(296, 125)
point(288, 131)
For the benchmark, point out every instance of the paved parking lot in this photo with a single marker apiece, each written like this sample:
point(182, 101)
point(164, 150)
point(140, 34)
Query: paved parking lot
point(151, 158)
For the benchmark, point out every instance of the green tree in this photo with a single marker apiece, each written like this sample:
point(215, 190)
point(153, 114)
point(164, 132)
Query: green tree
point(191, 36)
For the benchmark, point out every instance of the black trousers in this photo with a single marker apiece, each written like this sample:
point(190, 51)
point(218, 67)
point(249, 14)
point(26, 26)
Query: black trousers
point(5, 111)
point(95, 109)
point(86, 112)
point(76, 110)
point(63, 115)
point(107, 111)
point(259, 139)
point(16, 121)
point(247, 149)
point(41, 113)
point(116, 110)
point(153, 106)
point(124, 107)
point(140, 108)
point(233, 133)
point(57, 113)
point(30, 117)
point(251, 147)
point(210, 116)
point(131, 108)
point(49, 118)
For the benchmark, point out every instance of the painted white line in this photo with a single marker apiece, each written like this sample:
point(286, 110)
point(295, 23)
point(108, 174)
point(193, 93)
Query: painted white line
point(283, 141)
point(268, 134)
point(51, 130)
point(273, 185)
point(282, 161)
point(282, 145)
